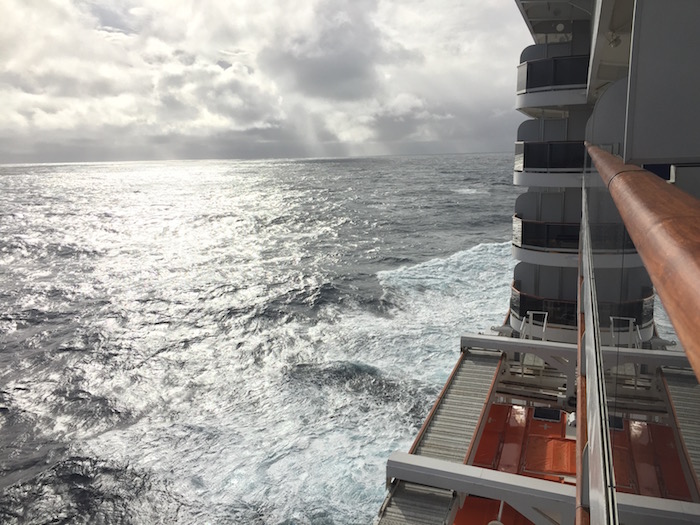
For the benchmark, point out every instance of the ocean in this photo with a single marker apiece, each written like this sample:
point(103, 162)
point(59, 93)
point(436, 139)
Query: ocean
point(234, 341)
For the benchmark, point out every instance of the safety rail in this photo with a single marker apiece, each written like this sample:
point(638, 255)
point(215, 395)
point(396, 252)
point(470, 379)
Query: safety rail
point(664, 224)
point(549, 156)
point(596, 477)
point(553, 73)
point(565, 312)
point(564, 235)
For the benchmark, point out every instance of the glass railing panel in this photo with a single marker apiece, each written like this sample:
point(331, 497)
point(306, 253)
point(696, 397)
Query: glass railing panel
point(642, 311)
point(651, 333)
point(566, 155)
point(519, 156)
point(599, 477)
point(535, 234)
point(630, 317)
point(563, 236)
point(521, 85)
point(563, 311)
point(553, 73)
point(544, 156)
point(540, 73)
point(570, 71)
point(610, 237)
point(625, 291)
point(515, 306)
point(555, 236)
point(560, 312)
point(536, 155)
point(517, 231)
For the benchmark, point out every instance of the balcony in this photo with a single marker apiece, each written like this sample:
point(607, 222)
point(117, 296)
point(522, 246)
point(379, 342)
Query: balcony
point(534, 161)
point(553, 73)
point(563, 312)
point(550, 156)
point(550, 82)
point(563, 236)
point(557, 244)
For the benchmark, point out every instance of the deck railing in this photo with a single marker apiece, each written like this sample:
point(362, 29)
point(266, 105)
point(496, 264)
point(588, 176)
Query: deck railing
point(549, 156)
point(553, 73)
point(565, 312)
point(564, 235)
point(596, 473)
point(664, 224)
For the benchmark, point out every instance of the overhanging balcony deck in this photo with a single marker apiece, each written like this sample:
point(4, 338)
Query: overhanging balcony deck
point(524, 456)
point(552, 164)
point(564, 312)
point(557, 243)
point(552, 82)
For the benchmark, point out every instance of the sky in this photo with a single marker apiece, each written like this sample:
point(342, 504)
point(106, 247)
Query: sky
point(88, 80)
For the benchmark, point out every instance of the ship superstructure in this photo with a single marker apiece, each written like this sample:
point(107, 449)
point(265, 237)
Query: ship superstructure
point(578, 410)
point(552, 90)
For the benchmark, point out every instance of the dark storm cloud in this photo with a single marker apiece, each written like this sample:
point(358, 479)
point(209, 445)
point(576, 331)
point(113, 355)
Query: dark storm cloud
point(414, 126)
point(228, 92)
point(275, 141)
point(336, 57)
point(404, 117)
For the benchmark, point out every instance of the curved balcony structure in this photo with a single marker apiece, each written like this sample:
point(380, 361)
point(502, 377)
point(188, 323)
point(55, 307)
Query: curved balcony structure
point(556, 243)
point(562, 317)
point(549, 164)
point(561, 156)
point(552, 82)
point(625, 293)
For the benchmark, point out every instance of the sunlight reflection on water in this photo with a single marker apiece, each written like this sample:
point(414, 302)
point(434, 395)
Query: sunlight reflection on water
point(236, 341)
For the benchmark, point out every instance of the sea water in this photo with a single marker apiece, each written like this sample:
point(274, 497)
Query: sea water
point(230, 341)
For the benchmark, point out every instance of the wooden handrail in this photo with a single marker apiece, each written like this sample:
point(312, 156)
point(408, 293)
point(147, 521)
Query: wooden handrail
point(664, 224)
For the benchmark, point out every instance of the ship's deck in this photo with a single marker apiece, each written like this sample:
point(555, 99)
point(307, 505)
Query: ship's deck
point(447, 434)
point(684, 394)
point(482, 423)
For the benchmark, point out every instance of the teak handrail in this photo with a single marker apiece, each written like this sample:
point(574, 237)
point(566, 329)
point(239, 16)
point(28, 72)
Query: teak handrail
point(664, 224)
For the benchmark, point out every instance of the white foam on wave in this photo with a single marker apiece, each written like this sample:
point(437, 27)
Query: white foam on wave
point(302, 430)
point(469, 286)
point(415, 347)
point(470, 191)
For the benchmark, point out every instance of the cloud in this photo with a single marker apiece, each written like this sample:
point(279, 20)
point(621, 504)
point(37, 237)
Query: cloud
point(119, 79)
point(335, 55)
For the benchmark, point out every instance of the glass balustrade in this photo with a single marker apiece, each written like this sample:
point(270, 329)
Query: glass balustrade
point(550, 156)
point(565, 236)
point(552, 73)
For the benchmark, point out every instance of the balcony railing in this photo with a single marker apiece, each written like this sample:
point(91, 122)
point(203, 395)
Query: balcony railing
point(664, 223)
point(550, 156)
point(594, 453)
point(565, 236)
point(563, 312)
point(552, 73)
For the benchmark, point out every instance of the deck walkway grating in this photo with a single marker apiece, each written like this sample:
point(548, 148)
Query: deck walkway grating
point(447, 437)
